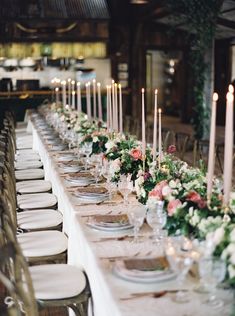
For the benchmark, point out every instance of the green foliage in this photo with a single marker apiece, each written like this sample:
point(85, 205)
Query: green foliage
point(200, 17)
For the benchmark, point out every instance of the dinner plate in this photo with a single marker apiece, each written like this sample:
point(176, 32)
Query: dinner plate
point(70, 168)
point(63, 158)
point(109, 228)
point(141, 276)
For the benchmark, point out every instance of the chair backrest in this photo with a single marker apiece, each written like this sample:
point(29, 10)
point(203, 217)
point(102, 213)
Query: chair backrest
point(14, 272)
point(182, 140)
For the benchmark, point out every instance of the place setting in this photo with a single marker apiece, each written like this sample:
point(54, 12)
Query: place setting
point(90, 194)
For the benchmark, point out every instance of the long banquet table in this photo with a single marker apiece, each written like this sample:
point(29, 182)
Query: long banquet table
point(88, 249)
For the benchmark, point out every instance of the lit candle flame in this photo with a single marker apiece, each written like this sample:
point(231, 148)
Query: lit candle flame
point(215, 96)
point(98, 84)
point(230, 88)
point(156, 91)
point(160, 111)
point(142, 90)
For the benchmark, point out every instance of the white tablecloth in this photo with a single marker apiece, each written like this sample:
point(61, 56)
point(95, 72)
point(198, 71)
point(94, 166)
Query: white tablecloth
point(85, 250)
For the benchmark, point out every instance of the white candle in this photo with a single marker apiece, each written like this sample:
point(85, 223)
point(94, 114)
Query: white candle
point(57, 95)
point(63, 83)
point(116, 106)
point(79, 101)
point(110, 109)
point(143, 125)
point(88, 100)
point(211, 157)
point(94, 98)
point(73, 99)
point(120, 109)
point(72, 89)
point(100, 114)
point(228, 146)
point(113, 107)
point(107, 108)
point(159, 136)
point(69, 91)
point(155, 126)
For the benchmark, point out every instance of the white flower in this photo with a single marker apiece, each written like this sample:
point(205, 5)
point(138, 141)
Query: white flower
point(95, 139)
point(110, 144)
point(232, 259)
point(217, 236)
point(232, 235)
point(231, 271)
point(172, 184)
point(115, 165)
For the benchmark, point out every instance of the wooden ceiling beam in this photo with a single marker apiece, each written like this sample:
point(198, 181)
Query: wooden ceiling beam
point(228, 23)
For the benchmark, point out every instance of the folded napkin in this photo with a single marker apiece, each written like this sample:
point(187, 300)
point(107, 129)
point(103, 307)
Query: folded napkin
point(70, 163)
point(147, 264)
point(92, 190)
point(120, 218)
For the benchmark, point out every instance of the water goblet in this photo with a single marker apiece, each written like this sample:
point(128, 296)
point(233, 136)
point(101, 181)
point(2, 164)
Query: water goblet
point(215, 270)
point(180, 262)
point(136, 215)
point(125, 187)
point(87, 150)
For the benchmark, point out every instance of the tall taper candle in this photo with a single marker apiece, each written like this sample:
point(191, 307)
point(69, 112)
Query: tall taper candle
point(155, 126)
point(116, 106)
point(120, 109)
point(211, 157)
point(110, 109)
point(228, 146)
point(79, 101)
point(143, 125)
point(159, 136)
point(107, 108)
point(63, 83)
point(94, 99)
point(69, 91)
point(73, 99)
point(57, 95)
point(100, 114)
point(113, 107)
point(88, 100)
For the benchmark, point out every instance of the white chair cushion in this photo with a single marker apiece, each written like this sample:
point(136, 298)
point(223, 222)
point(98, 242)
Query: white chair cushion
point(37, 200)
point(37, 219)
point(27, 157)
point(33, 186)
point(20, 165)
point(42, 243)
point(29, 174)
point(57, 281)
point(25, 152)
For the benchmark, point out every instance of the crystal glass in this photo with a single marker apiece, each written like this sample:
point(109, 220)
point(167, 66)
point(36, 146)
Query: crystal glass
point(180, 262)
point(156, 219)
point(125, 187)
point(86, 150)
point(136, 215)
point(214, 270)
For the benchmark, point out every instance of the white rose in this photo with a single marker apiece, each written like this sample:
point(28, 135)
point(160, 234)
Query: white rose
point(95, 139)
point(218, 236)
point(232, 259)
point(172, 184)
point(115, 165)
point(232, 235)
point(231, 271)
point(110, 144)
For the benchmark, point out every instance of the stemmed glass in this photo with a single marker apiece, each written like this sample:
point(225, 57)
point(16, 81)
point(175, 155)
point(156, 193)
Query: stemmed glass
point(87, 150)
point(214, 273)
point(136, 215)
point(156, 218)
point(180, 262)
point(125, 187)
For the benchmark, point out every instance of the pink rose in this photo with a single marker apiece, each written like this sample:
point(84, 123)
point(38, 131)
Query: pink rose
point(157, 191)
point(196, 198)
point(166, 190)
point(171, 149)
point(172, 206)
point(136, 154)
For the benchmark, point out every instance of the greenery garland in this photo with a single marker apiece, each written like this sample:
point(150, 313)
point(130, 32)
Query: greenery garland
point(200, 17)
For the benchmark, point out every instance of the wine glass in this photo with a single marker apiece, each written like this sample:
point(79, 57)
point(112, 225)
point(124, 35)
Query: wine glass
point(180, 262)
point(156, 218)
point(136, 215)
point(87, 150)
point(125, 187)
point(214, 270)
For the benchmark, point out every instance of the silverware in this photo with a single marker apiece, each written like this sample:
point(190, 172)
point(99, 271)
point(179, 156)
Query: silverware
point(120, 257)
point(150, 294)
